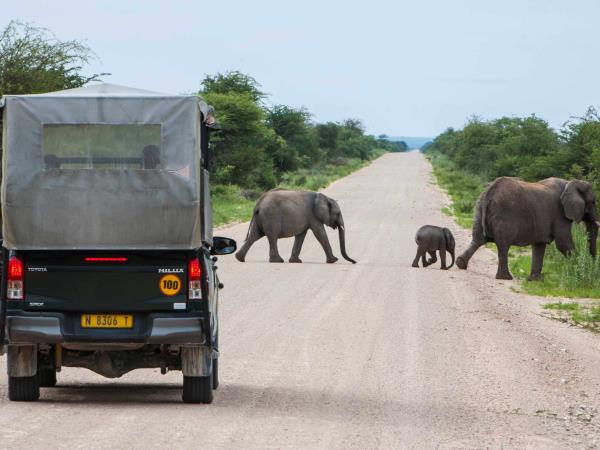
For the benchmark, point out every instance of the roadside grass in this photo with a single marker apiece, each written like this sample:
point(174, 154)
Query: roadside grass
point(462, 187)
point(232, 204)
point(575, 277)
point(585, 315)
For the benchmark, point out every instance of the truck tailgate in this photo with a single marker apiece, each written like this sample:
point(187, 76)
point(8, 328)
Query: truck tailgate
point(101, 282)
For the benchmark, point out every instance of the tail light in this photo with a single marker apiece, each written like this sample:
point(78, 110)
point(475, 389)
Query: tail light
point(194, 277)
point(14, 290)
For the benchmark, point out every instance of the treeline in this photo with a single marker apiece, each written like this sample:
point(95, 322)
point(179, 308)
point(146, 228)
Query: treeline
point(525, 147)
point(259, 144)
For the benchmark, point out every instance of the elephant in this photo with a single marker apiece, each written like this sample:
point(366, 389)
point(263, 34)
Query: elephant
point(515, 212)
point(430, 239)
point(282, 213)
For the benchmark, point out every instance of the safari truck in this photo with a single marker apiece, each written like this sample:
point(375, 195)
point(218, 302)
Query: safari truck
point(108, 254)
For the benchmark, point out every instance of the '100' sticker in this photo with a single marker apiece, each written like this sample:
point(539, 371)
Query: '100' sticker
point(170, 284)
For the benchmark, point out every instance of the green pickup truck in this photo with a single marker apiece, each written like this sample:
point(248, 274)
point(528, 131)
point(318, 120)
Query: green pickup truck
point(108, 253)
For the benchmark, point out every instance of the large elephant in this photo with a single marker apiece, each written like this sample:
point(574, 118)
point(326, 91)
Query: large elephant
point(513, 212)
point(280, 214)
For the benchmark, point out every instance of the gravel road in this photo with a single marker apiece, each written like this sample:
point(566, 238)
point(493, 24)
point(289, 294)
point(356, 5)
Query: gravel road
point(372, 355)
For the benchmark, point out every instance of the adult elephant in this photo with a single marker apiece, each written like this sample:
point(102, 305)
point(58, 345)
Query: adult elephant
point(281, 213)
point(514, 212)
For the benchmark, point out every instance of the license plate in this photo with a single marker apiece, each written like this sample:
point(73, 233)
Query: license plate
point(106, 321)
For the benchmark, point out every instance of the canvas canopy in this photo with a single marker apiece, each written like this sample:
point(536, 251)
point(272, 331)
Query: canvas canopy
point(102, 167)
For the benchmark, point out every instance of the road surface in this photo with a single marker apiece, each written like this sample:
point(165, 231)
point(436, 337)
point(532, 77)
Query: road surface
point(372, 355)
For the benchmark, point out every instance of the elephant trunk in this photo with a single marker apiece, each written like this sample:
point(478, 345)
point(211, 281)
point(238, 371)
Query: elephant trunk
point(592, 232)
point(342, 234)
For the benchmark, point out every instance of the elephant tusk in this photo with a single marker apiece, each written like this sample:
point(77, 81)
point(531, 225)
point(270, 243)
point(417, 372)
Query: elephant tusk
point(342, 227)
point(597, 224)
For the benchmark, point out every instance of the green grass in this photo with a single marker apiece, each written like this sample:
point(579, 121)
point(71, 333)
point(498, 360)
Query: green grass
point(462, 187)
point(586, 315)
point(232, 204)
point(576, 276)
point(229, 205)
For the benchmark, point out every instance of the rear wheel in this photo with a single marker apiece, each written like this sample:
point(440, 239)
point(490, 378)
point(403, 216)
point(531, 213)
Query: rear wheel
point(46, 377)
point(23, 389)
point(215, 374)
point(215, 363)
point(197, 389)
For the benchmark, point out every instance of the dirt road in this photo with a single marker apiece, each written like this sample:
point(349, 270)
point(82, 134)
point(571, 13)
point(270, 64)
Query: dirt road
point(376, 354)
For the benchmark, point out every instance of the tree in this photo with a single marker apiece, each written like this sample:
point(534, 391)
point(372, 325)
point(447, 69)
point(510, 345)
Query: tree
point(233, 82)
point(33, 60)
point(239, 149)
point(294, 127)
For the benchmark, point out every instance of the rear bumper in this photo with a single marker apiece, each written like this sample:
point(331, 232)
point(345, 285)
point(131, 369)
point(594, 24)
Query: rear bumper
point(56, 328)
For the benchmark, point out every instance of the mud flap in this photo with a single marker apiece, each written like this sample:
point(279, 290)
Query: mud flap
point(22, 360)
point(196, 361)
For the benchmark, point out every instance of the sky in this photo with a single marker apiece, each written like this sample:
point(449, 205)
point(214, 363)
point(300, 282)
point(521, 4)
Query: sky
point(404, 68)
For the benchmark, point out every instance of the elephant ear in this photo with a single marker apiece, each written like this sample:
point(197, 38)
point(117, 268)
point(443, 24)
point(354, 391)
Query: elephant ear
point(450, 244)
point(573, 199)
point(322, 208)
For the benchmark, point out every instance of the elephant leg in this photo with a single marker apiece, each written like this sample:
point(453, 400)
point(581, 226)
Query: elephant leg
point(537, 261)
point(420, 255)
point(477, 241)
point(443, 259)
point(503, 273)
point(298, 241)
point(433, 258)
point(564, 243)
point(254, 235)
point(424, 259)
point(273, 252)
point(321, 235)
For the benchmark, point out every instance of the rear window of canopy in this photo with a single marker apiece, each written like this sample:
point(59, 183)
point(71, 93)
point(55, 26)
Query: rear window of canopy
point(102, 146)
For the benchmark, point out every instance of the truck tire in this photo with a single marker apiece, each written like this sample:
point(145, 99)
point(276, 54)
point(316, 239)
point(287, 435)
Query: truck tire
point(197, 389)
point(46, 377)
point(215, 374)
point(23, 389)
point(215, 364)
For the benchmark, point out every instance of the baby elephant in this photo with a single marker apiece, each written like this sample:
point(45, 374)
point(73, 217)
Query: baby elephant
point(431, 239)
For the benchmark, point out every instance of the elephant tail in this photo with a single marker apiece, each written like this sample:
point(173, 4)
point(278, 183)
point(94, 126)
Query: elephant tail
point(252, 222)
point(480, 219)
point(484, 217)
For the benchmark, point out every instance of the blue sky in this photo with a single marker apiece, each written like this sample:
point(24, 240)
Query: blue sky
point(404, 68)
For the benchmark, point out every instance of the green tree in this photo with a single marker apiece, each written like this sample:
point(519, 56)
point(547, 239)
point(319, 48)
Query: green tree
point(233, 82)
point(33, 60)
point(239, 149)
point(294, 127)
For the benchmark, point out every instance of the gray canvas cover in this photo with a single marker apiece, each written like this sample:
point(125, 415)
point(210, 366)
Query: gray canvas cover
point(101, 167)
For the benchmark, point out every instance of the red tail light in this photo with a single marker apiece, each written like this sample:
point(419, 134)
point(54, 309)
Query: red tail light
point(105, 259)
point(14, 290)
point(194, 277)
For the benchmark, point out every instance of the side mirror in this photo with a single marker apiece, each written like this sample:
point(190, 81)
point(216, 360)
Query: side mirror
point(223, 246)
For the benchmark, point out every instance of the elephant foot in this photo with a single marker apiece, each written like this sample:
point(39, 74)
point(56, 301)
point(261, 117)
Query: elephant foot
point(462, 262)
point(535, 277)
point(331, 260)
point(415, 265)
point(295, 260)
point(276, 259)
point(443, 268)
point(239, 257)
point(504, 276)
